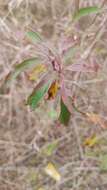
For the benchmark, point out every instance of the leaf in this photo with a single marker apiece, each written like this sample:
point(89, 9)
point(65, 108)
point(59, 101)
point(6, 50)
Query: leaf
point(64, 114)
point(53, 90)
point(17, 70)
point(27, 64)
point(34, 36)
point(49, 150)
point(37, 94)
point(37, 71)
point(51, 170)
point(41, 188)
point(86, 11)
point(103, 162)
point(91, 141)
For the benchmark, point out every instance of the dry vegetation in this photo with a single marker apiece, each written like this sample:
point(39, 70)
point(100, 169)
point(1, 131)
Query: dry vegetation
point(23, 133)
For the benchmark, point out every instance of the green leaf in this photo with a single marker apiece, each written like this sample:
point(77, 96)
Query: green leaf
point(17, 70)
point(27, 64)
point(50, 148)
point(34, 36)
point(86, 11)
point(103, 162)
point(37, 94)
point(64, 114)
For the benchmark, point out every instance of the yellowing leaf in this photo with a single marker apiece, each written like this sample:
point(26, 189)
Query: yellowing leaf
point(53, 90)
point(51, 170)
point(41, 188)
point(91, 141)
point(96, 119)
point(17, 70)
point(37, 71)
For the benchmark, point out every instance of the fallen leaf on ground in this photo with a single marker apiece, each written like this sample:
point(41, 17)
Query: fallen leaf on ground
point(91, 141)
point(51, 170)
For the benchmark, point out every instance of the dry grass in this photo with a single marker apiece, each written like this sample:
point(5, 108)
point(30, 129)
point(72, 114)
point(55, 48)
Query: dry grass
point(24, 133)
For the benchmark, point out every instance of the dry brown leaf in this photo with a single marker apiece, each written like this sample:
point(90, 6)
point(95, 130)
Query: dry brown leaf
point(53, 90)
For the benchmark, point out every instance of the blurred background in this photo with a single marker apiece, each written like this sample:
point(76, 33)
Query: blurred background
point(25, 134)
